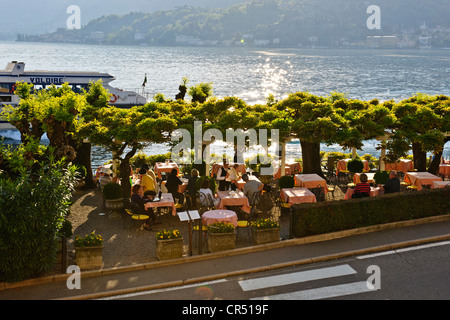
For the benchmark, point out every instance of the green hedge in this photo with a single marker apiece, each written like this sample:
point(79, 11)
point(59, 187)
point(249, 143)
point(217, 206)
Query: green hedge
point(318, 218)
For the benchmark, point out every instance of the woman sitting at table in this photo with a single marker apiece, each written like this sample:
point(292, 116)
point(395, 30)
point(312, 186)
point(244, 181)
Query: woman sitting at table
point(362, 189)
point(206, 194)
point(191, 189)
point(172, 184)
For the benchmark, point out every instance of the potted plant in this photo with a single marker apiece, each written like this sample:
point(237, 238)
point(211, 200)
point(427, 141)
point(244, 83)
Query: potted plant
point(112, 193)
point(89, 251)
point(381, 177)
point(265, 230)
point(169, 244)
point(221, 236)
point(286, 182)
point(355, 166)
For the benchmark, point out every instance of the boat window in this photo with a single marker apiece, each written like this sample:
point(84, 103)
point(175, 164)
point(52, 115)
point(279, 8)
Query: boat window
point(5, 99)
point(4, 88)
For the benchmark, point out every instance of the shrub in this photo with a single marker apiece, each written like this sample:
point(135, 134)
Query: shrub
point(33, 207)
point(381, 177)
point(264, 224)
point(221, 227)
point(311, 219)
point(90, 240)
point(168, 234)
point(355, 166)
point(112, 191)
point(286, 182)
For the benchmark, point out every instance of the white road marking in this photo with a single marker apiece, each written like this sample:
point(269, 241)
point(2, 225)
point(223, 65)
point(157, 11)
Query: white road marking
point(425, 246)
point(296, 277)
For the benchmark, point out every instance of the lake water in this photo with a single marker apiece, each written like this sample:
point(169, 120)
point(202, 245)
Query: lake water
point(249, 73)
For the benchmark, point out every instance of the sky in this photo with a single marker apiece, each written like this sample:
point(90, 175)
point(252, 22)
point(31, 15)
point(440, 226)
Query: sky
point(33, 17)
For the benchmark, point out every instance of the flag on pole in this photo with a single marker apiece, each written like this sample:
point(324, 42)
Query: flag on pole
point(145, 81)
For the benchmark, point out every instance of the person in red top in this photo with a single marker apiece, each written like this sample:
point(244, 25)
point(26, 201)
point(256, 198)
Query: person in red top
point(362, 189)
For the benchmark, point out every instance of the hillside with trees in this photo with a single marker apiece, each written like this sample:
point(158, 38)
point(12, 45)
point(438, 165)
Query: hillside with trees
point(284, 23)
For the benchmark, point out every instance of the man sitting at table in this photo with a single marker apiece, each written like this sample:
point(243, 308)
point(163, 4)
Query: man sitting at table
point(251, 187)
point(392, 185)
point(362, 189)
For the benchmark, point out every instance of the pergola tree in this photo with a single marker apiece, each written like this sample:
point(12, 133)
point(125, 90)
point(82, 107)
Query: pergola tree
point(423, 123)
point(315, 121)
point(125, 131)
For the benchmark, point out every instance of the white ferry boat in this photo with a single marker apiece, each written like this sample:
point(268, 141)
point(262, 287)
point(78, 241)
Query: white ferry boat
point(15, 72)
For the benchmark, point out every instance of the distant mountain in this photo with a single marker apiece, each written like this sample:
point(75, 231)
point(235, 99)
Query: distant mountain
point(408, 23)
point(34, 17)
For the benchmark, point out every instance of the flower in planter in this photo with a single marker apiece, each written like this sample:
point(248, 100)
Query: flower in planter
point(90, 240)
point(168, 234)
point(262, 224)
point(221, 227)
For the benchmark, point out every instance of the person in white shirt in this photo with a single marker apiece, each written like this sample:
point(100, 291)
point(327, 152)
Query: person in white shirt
point(234, 177)
point(206, 191)
point(222, 177)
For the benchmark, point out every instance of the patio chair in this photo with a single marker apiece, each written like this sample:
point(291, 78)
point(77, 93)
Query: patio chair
point(134, 215)
point(319, 193)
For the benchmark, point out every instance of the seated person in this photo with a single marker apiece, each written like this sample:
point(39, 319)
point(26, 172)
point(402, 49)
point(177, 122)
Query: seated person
point(172, 184)
point(140, 201)
point(362, 189)
point(206, 191)
point(392, 185)
point(251, 187)
point(146, 181)
point(191, 188)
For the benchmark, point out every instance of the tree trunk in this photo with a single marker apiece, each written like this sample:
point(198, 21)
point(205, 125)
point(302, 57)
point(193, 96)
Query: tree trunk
point(434, 166)
point(420, 157)
point(125, 171)
point(311, 157)
point(83, 158)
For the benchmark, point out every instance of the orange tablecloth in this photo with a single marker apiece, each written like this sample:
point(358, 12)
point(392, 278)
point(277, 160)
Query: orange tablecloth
point(289, 168)
point(310, 180)
point(166, 201)
point(444, 169)
point(216, 166)
point(241, 183)
point(342, 165)
point(402, 165)
point(239, 199)
point(210, 217)
point(374, 191)
point(421, 178)
point(357, 179)
point(287, 172)
point(165, 167)
point(297, 195)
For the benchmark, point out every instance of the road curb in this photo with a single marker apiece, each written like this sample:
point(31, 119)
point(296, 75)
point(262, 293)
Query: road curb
point(238, 251)
point(336, 256)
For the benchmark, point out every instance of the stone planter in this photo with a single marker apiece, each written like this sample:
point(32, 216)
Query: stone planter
point(114, 205)
point(265, 235)
point(169, 249)
point(89, 257)
point(221, 241)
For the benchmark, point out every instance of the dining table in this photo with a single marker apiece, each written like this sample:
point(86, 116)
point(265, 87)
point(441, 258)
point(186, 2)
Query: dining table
point(439, 184)
point(165, 201)
point(241, 183)
point(297, 195)
point(166, 167)
point(219, 215)
point(403, 165)
point(357, 177)
point(233, 199)
point(310, 180)
point(374, 191)
point(444, 169)
point(419, 179)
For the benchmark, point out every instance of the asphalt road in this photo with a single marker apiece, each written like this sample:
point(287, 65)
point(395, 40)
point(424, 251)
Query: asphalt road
point(414, 273)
